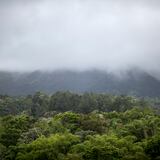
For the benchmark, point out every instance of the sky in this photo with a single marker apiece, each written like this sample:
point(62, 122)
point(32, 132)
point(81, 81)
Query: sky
point(111, 35)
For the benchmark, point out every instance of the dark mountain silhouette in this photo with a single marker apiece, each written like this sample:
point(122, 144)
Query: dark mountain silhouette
point(133, 82)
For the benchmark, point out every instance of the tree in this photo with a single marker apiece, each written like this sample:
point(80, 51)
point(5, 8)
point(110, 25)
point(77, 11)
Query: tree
point(13, 127)
point(153, 147)
point(54, 147)
point(40, 104)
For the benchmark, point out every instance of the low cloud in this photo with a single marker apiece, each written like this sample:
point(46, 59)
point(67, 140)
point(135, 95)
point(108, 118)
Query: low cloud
point(112, 35)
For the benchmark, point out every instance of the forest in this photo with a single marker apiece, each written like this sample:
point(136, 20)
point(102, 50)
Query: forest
point(69, 126)
point(79, 79)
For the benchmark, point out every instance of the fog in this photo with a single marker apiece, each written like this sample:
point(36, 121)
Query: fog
point(111, 35)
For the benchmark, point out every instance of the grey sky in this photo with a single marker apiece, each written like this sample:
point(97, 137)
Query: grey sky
point(112, 35)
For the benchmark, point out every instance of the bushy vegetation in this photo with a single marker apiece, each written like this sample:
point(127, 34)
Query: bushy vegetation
point(68, 126)
point(41, 104)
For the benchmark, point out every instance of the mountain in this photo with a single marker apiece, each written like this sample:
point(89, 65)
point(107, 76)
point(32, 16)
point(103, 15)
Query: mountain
point(133, 83)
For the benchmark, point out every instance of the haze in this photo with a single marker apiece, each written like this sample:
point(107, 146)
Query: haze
point(111, 35)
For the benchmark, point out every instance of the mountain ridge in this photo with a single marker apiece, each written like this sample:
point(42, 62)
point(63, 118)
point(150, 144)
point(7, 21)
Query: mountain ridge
point(133, 82)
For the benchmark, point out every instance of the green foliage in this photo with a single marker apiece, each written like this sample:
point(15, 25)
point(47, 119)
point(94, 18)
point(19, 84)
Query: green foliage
point(64, 101)
point(53, 148)
point(2, 151)
point(14, 105)
point(94, 122)
point(153, 147)
point(91, 127)
point(40, 104)
point(110, 148)
point(69, 120)
point(13, 127)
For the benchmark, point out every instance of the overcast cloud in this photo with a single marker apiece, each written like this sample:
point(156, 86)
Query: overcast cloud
point(113, 35)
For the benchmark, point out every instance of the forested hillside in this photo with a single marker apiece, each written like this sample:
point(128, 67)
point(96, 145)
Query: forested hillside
point(79, 79)
point(67, 126)
point(40, 103)
point(131, 83)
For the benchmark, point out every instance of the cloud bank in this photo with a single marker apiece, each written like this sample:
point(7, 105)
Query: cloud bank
point(112, 35)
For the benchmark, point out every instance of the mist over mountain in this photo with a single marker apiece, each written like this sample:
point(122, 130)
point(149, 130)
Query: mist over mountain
point(110, 35)
point(98, 42)
point(132, 83)
point(79, 79)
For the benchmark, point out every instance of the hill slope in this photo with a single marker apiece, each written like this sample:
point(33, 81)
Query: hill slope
point(137, 83)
